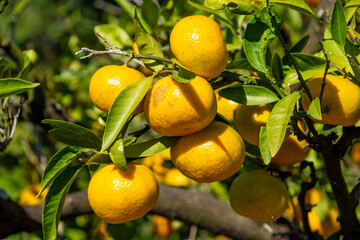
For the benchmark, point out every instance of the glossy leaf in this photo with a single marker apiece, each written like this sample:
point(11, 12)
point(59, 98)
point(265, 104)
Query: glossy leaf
point(352, 3)
point(257, 38)
point(150, 10)
point(299, 46)
point(147, 44)
point(116, 154)
point(315, 109)
point(298, 5)
point(115, 35)
point(278, 120)
point(55, 199)
point(150, 147)
point(73, 134)
point(99, 158)
point(248, 94)
point(338, 24)
point(57, 164)
point(122, 108)
point(241, 63)
point(335, 52)
point(264, 145)
point(184, 76)
point(277, 67)
point(13, 86)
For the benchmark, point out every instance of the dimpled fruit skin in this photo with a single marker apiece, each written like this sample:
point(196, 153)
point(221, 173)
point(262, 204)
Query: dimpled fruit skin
point(119, 196)
point(249, 120)
point(197, 43)
point(178, 109)
point(108, 81)
point(291, 151)
point(257, 195)
point(213, 154)
point(340, 95)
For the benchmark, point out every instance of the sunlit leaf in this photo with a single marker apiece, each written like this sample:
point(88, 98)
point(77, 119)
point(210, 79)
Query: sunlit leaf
point(122, 108)
point(55, 199)
point(248, 94)
point(184, 76)
point(315, 109)
point(352, 3)
point(73, 134)
point(147, 44)
point(57, 164)
point(264, 145)
point(117, 155)
point(13, 86)
point(278, 120)
point(256, 40)
point(338, 24)
point(150, 147)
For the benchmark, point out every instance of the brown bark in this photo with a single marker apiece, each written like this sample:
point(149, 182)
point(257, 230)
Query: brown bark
point(192, 207)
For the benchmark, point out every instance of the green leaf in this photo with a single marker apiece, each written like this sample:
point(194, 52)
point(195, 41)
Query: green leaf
point(115, 35)
point(55, 199)
point(3, 4)
point(93, 168)
point(257, 38)
point(4, 68)
point(278, 120)
point(264, 145)
point(150, 10)
point(26, 68)
point(315, 109)
point(277, 67)
point(116, 154)
point(13, 86)
point(299, 46)
point(123, 106)
point(150, 147)
point(335, 52)
point(353, 3)
point(216, 4)
point(298, 5)
point(127, 7)
point(241, 63)
point(307, 61)
point(73, 134)
point(184, 75)
point(248, 94)
point(147, 44)
point(99, 158)
point(338, 24)
point(57, 164)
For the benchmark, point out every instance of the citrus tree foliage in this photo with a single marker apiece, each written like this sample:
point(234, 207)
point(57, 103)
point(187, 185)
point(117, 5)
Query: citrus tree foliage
point(266, 66)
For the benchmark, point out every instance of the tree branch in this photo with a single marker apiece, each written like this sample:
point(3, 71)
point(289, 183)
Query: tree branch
point(195, 208)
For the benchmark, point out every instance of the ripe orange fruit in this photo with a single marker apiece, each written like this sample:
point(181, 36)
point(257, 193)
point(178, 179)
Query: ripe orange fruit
point(259, 196)
point(162, 226)
point(291, 151)
point(108, 81)
point(196, 41)
point(330, 225)
point(213, 154)
point(226, 107)
point(175, 178)
point(119, 196)
point(249, 120)
point(340, 95)
point(177, 109)
point(355, 153)
point(28, 195)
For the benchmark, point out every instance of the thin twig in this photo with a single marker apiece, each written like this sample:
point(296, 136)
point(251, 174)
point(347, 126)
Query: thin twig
point(325, 73)
point(116, 51)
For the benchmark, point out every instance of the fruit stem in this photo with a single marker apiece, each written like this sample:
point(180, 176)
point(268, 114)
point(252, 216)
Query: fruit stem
point(287, 52)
